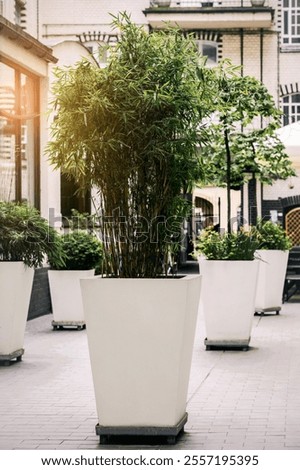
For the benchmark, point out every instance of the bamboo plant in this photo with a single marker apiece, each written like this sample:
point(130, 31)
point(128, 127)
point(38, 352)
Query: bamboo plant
point(131, 129)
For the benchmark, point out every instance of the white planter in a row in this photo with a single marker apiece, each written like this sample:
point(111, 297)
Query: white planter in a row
point(232, 291)
point(271, 276)
point(227, 301)
point(15, 290)
point(66, 297)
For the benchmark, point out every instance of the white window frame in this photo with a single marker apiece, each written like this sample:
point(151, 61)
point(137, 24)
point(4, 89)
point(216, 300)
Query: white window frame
point(291, 109)
point(291, 22)
point(203, 42)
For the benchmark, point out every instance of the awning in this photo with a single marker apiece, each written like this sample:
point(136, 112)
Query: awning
point(290, 137)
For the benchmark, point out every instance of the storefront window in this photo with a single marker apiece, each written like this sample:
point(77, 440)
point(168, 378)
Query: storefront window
point(19, 123)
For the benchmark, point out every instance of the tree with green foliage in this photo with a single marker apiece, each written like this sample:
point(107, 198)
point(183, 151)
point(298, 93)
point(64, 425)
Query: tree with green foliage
point(131, 129)
point(241, 135)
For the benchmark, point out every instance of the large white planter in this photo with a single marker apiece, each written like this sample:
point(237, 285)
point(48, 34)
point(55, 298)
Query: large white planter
point(15, 289)
point(227, 301)
point(271, 276)
point(66, 297)
point(140, 335)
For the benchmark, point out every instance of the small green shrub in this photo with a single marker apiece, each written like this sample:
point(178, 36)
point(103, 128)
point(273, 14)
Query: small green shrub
point(82, 250)
point(82, 220)
point(26, 236)
point(271, 236)
point(227, 246)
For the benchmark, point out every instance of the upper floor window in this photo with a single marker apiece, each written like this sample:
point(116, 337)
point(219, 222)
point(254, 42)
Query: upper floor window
point(291, 108)
point(291, 22)
point(98, 51)
point(97, 44)
point(210, 50)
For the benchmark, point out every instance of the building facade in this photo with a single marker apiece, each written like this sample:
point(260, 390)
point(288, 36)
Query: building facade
point(263, 36)
point(25, 66)
point(24, 83)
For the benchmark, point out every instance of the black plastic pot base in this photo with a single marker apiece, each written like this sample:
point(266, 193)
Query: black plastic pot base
point(9, 359)
point(227, 348)
point(271, 310)
point(236, 345)
point(132, 434)
point(71, 325)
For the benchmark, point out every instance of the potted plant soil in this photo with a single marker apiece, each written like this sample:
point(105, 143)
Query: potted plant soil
point(273, 252)
point(25, 242)
point(229, 275)
point(83, 253)
point(131, 129)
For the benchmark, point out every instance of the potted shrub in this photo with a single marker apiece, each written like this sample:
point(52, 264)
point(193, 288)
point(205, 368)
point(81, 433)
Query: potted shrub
point(273, 252)
point(229, 275)
point(25, 242)
point(83, 252)
point(131, 129)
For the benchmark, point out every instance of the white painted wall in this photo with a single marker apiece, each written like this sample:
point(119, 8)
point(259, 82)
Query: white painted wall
point(61, 20)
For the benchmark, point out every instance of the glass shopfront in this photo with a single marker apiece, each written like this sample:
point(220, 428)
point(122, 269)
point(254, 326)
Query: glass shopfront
point(19, 135)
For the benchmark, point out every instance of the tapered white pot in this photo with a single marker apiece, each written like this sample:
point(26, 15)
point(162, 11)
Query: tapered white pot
point(66, 297)
point(227, 301)
point(15, 290)
point(271, 276)
point(140, 335)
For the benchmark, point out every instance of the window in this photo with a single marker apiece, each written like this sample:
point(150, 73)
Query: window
point(291, 22)
point(97, 44)
point(209, 50)
point(99, 52)
point(19, 142)
point(291, 108)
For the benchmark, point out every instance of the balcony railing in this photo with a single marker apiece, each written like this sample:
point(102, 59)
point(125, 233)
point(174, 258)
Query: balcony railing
point(206, 4)
point(210, 14)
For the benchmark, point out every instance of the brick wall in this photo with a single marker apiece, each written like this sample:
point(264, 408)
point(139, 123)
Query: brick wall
point(252, 43)
point(68, 18)
point(271, 205)
point(287, 188)
point(40, 301)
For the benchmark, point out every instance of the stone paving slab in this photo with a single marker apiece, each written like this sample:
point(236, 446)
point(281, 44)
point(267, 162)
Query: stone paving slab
point(239, 400)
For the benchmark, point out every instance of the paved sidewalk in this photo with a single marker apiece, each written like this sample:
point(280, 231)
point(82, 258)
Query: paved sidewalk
point(237, 400)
